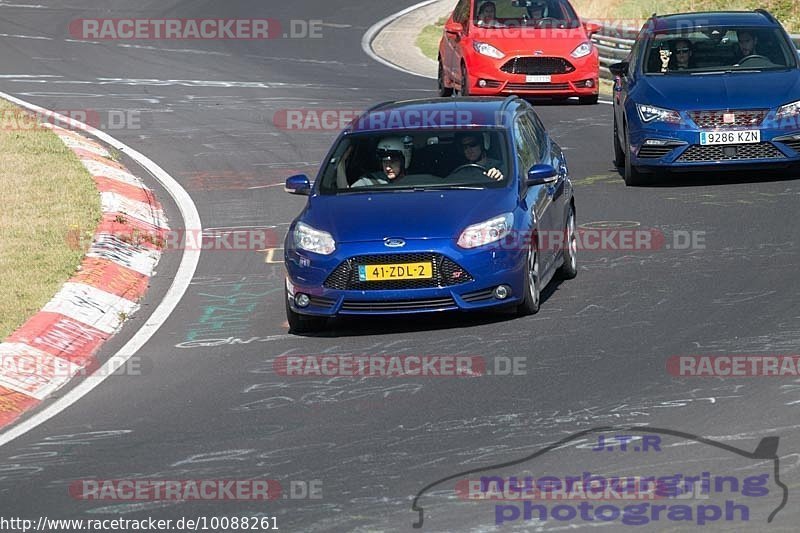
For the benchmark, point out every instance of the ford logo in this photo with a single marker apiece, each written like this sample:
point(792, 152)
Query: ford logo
point(394, 243)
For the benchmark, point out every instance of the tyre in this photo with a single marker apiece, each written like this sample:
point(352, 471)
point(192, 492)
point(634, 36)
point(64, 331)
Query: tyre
point(301, 323)
point(530, 302)
point(570, 267)
point(443, 89)
point(464, 81)
point(631, 174)
point(619, 154)
point(589, 100)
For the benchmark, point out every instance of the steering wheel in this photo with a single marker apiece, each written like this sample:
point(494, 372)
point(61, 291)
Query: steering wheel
point(468, 165)
point(541, 23)
point(754, 56)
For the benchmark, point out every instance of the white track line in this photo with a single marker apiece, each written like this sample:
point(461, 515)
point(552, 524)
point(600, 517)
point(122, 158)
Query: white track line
point(183, 277)
point(369, 36)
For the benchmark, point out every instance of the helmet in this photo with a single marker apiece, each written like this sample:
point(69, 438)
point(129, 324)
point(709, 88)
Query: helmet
point(396, 146)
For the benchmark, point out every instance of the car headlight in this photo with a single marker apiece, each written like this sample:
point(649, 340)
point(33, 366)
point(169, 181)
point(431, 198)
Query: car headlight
point(313, 240)
point(788, 110)
point(487, 49)
point(583, 50)
point(485, 232)
point(651, 113)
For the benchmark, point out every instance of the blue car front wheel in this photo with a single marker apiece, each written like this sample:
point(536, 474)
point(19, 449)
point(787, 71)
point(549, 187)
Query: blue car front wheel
point(530, 302)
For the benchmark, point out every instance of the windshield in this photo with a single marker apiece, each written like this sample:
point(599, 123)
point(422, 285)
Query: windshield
point(473, 159)
point(710, 49)
point(531, 13)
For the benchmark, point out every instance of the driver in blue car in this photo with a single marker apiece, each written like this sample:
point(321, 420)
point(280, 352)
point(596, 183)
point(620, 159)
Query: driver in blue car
point(747, 44)
point(394, 156)
point(475, 153)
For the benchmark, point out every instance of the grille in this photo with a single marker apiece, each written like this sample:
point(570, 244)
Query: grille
point(716, 119)
point(537, 86)
point(319, 301)
point(794, 144)
point(698, 152)
point(537, 65)
point(445, 273)
point(655, 152)
point(479, 296)
point(398, 305)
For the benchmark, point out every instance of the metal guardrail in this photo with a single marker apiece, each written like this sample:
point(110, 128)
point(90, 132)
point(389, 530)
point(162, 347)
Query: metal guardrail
point(615, 43)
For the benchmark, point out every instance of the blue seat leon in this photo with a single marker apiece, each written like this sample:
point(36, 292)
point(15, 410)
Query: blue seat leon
point(707, 91)
point(427, 206)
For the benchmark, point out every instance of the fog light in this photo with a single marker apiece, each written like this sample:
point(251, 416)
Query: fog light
point(502, 292)
point(301, 300)
point(481, 83)
point(589, 83)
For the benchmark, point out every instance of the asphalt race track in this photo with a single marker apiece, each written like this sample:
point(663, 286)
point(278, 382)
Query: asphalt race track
point(595, 354)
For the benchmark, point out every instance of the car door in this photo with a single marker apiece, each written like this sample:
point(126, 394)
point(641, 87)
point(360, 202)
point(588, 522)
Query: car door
point(454, 41)
point(537, 199)
point(624, 84)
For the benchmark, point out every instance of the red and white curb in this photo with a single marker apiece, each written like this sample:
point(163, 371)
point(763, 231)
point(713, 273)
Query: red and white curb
point(60, 341)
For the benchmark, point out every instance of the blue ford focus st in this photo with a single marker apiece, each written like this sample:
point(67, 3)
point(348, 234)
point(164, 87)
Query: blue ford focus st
point(700, 91)
point(431, 205)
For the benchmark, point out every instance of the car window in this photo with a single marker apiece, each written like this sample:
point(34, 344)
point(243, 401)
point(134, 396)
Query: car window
point(712, 49)
point(533, 13)
point(528, 149)
point(414, 159)
point(461, 12)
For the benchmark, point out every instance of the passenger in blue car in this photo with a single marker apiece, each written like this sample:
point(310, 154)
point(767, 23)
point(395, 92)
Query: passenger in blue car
point(394, 156)
point(475, 153)
point(682, 58)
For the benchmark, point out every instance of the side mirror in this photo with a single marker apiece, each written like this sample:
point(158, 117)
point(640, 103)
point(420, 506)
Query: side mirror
point(592, 28)
point(619, 69)
point(541, 174)
point(298, 184)
point(454, 27)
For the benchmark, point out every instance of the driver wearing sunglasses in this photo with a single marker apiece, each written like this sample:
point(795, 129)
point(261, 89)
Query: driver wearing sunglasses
point(471, 145)
point(683, 55)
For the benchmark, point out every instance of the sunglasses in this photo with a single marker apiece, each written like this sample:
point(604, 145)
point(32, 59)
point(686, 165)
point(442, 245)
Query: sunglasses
point(682, 50)
point(472, 144)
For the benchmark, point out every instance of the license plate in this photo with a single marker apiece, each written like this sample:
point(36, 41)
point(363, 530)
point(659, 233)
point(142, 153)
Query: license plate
point(730, 137)
point(537, 79)
point(395, 271)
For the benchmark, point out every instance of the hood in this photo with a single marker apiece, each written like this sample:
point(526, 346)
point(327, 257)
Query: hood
point(374, 216)
point(525, 41)
point(720, 91)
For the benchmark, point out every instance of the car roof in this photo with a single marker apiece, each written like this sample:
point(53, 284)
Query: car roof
point(712, 18)
point(437, 113)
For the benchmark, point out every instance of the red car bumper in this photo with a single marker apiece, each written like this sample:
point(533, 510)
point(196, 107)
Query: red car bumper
point(487, 78)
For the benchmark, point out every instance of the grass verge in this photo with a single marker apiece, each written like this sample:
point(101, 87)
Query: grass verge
point(45, 192)
point(428, 39)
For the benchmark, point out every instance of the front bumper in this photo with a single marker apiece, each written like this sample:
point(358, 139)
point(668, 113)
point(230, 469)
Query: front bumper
point(661, 146)
point(308, 273)
point(583, 81)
